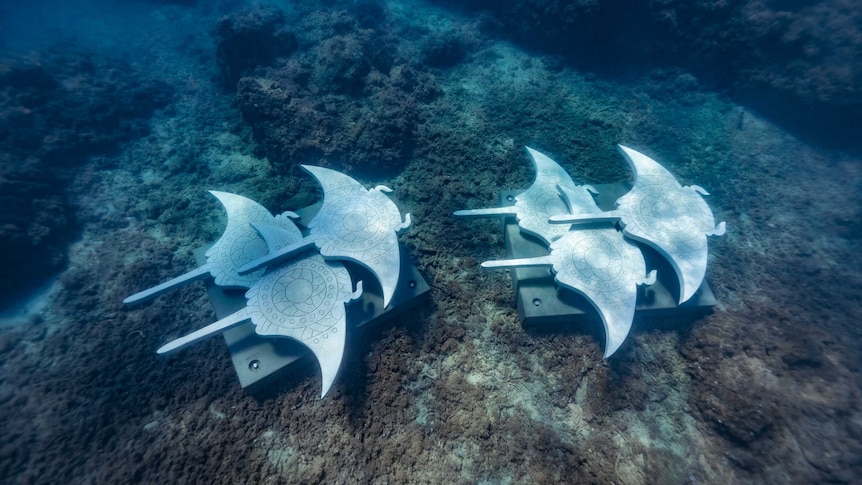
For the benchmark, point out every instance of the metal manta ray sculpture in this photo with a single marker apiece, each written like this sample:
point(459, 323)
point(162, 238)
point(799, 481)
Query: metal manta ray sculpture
point(537, 204)
point(672, 219)
point(238, 245)
point(600, 265)
point(303, 300)
point(354, 224)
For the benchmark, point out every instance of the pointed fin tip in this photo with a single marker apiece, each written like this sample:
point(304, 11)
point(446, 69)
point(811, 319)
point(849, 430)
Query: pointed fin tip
point(628, 153)
point(327, 377)
point(222, 196)
point(611, 347)
point(686, 289)
point(641, 163)
point(327, 178)
point(388, 294)
point(540, 159)
point(324, 390)
point(316, 169)
point(626, 150)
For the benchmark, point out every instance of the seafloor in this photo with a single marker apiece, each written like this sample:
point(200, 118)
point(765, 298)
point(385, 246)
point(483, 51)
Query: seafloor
point(144, 107)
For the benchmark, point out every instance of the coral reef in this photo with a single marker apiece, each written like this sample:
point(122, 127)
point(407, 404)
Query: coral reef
point(347, 98)
point(767, 388)
point(798, 62)
point(55, 111)
point(248, 39)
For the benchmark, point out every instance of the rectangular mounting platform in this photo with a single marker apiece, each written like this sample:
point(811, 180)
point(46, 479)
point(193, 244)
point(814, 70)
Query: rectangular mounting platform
point(258, 360)
point(541, 303)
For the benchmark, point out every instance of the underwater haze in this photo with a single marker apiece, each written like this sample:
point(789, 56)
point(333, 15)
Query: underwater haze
point(117, 117)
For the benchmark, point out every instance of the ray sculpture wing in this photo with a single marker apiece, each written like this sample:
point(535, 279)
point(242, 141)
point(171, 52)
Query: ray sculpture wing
point(672, 219)
point(354, 224)
point(238, 245)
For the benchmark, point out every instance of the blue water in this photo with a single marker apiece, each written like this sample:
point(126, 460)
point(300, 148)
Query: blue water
point(116, 118)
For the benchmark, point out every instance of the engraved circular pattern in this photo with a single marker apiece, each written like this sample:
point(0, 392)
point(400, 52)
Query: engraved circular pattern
point(297, 297)
point(299, 291)
point(597, 261)
point(597, 258)
point(662, 215)
point(536, 206)
point(357, 223)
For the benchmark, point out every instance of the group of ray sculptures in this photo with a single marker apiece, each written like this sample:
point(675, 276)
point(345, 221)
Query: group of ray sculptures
point(587, 253)
point(292, 291)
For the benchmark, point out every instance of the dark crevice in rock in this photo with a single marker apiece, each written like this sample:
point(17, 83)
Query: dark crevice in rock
point(796, 63)
point(56, 111)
